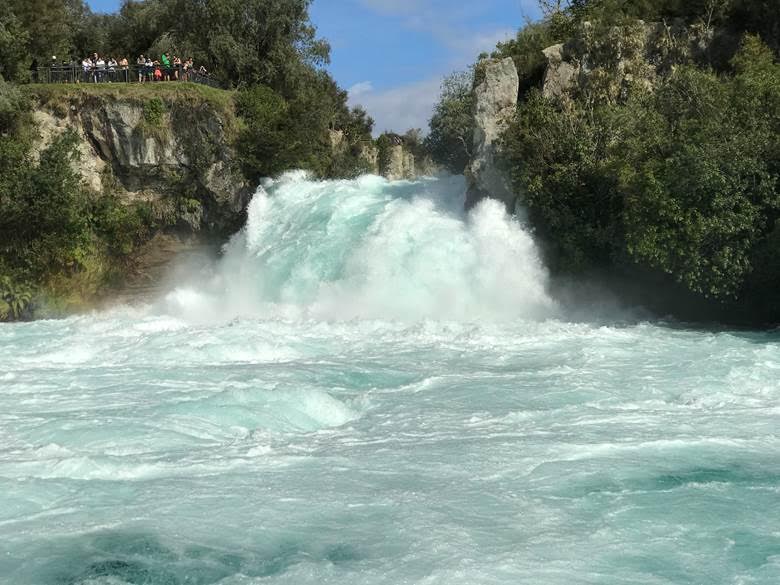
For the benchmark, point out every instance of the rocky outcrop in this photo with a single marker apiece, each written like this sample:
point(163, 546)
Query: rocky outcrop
point(338, 142)
point(605, 64)
point(402, 158)
point(496, 95)
point(400, 164)
point(610, 63)
point(174, 155)
point(370, 154)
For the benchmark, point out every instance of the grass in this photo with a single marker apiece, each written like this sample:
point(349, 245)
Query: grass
point(171, 92)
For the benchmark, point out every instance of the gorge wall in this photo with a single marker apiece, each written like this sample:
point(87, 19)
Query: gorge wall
point(173, 154)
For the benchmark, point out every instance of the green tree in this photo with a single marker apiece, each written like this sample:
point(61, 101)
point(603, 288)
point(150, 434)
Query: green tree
point(451, 136)
point(262, 142)
point(48, 23)
point(526, 51)
point(246, 42)
point(14, 38)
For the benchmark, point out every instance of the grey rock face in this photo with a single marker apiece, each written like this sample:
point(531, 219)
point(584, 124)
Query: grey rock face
point(561, 75)
point(370, 153)
point(400, 164)
point(187, 149)
point(496, 99)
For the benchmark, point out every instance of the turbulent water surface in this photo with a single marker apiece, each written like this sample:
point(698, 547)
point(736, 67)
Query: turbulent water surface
point(372, 388)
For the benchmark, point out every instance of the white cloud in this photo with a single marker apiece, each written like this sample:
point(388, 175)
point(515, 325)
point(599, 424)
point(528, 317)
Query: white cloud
point(400, 108)
point(361, 88)
point(411, 105)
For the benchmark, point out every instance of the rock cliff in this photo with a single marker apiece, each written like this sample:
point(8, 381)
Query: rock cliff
point(174, 154)
point(496, 94)
point(400, 164)
point(399, 158)
point(167, 156)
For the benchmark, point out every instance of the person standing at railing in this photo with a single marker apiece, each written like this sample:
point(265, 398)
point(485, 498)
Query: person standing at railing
point(176, 68)
point(141, 63)
point(165, 61)
point(93, 68)
point(149, 69)
point(100, 69)
point(86, 66)
point(111, 66)
point(124, 67)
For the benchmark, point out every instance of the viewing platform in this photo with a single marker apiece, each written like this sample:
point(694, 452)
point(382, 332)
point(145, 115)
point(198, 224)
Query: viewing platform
point(128, 74)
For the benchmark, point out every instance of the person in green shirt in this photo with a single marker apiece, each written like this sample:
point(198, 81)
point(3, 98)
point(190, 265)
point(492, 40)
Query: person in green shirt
point(166, 66)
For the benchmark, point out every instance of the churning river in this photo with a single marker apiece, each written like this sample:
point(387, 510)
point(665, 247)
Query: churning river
point(370, 387)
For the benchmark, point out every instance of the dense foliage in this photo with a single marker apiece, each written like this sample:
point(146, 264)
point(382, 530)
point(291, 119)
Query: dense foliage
point(664, 167)
point(684, 180)
point(279, 134)
point(240, 41)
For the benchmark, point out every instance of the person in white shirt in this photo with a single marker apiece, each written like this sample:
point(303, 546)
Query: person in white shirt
point(86, 67)
point(150, 68)
point(100, 69)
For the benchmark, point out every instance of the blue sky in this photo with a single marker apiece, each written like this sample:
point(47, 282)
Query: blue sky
point(392, 54)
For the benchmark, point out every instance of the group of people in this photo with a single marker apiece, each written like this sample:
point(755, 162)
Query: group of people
point(167, 68)
point(99, 69)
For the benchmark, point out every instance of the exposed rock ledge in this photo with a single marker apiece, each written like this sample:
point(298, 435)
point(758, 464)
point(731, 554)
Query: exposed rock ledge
point(180, 162)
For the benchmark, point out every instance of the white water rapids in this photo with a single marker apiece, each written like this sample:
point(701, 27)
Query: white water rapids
point(372, 388)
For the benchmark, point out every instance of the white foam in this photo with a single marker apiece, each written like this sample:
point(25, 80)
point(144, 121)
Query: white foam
point(370, 248)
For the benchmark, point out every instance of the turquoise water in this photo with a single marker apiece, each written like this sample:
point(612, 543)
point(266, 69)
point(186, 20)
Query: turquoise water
point(372, 388)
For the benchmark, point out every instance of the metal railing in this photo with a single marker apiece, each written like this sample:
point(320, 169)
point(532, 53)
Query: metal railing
point(130, 74)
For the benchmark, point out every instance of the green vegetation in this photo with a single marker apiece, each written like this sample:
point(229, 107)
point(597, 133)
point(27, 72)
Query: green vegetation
point(194, 94)
point(15, 299)
point(451, 135)
point(664, 168)
point(154, 111)
point(278, 134)
point(56, 238)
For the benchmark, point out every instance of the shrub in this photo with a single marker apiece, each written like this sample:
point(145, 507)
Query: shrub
point(154, 112)
point(121, 227)
point(262, 144)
